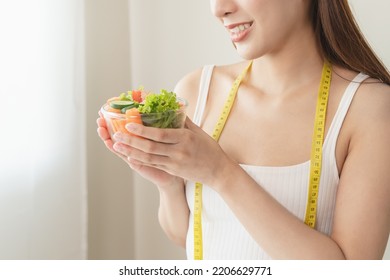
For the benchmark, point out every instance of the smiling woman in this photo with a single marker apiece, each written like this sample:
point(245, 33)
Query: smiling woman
point(42, 145)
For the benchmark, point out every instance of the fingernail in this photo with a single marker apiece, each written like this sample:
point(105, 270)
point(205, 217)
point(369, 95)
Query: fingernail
point(117, 136)
point(115, 146)
point(131, 127)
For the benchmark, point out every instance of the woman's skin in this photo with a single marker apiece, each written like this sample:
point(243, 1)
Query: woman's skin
point(271, 124)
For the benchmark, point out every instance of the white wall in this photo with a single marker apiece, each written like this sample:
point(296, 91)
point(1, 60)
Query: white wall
point(374, 21)
point(110, 181)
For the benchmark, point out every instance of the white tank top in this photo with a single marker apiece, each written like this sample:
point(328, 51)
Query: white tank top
point(223, 235)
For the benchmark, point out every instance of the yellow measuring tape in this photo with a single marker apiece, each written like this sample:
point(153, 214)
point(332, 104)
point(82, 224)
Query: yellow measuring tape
point(316, 154)
point(198, 241)
point(316, 147)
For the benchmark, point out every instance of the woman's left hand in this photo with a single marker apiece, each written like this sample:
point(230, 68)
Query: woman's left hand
point(189, 153)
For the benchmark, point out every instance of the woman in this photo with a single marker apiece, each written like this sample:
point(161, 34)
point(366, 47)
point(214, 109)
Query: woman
point(256, 177)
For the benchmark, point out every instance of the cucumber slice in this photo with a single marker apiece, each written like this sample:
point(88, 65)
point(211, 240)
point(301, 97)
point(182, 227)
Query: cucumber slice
point(123, 110)
point(120, 104)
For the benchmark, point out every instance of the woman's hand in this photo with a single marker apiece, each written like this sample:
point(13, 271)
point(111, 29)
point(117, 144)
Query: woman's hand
point(173, 211)
point(188, 153)
point(156, 176)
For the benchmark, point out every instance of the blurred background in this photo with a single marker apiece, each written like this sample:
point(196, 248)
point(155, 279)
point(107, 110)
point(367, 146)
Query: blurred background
point(62, 194)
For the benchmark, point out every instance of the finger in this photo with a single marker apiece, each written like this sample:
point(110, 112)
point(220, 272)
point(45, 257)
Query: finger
point(103, 133)
point(106, 139)
point(101, 122)
point(140, 156)
point(137, 165)
point(143, 144)
point(163, 135)
point(109, 144)
point(144, 168)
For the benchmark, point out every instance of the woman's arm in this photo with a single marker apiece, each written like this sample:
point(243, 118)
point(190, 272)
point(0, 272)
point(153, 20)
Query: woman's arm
point(173, 213)
point(362, 217)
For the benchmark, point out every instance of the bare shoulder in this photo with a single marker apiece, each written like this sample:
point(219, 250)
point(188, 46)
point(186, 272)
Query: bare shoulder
point(370, 116)
point(188, 86)
point(371, 106)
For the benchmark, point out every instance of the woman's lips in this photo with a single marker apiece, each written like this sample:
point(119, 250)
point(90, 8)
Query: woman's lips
point(239, 31)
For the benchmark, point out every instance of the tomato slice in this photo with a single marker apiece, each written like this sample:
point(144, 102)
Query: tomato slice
point(137, 96)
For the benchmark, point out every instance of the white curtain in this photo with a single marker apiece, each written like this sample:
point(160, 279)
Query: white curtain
point(42, 143)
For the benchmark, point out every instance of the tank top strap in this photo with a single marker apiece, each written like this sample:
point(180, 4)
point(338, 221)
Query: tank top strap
point(203, 93)
point(342, 111)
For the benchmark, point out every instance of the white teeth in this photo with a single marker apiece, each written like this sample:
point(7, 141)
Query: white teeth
point(240, 27)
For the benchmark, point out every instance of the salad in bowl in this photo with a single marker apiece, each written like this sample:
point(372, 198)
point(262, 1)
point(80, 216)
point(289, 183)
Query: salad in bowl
point(161, 110)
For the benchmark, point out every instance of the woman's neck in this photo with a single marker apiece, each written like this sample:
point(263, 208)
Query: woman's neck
point(298, 63)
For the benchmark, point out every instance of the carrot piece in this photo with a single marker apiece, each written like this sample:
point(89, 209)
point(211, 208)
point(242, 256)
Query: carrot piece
point(112, 110)
point(120, 125)
point(133, 116)
point(116, 125)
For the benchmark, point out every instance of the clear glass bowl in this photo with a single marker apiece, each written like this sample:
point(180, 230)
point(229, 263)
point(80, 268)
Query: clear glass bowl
point(117, 121)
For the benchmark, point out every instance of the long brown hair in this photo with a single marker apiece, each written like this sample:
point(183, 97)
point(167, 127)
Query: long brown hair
point(341, 41)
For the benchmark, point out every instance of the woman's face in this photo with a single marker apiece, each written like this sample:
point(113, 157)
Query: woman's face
point(260, 27)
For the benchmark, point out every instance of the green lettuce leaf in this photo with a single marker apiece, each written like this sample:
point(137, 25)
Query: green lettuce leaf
point(161, 110)
point(159, 103)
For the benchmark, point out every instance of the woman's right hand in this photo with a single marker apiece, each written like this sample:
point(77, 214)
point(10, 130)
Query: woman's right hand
point(160, 178)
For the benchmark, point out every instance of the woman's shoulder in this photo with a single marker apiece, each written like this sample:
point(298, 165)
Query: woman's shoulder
point(188, 86)
point(370, 109)
point(192, 79)
point(372, 97)
point(372, 100)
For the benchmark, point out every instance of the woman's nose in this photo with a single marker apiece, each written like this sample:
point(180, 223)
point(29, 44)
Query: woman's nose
point(222, 8)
